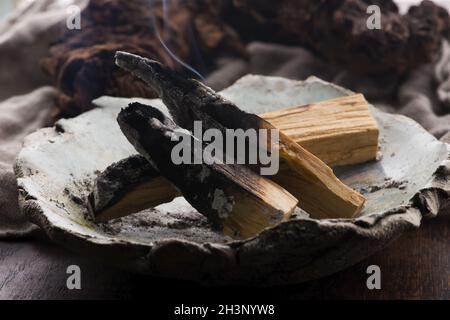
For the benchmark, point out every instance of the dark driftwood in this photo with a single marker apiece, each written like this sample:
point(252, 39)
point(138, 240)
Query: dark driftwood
point(127, 187)
point(301, 173)
point(80, 64)
point(338, 31)
point(232, 197)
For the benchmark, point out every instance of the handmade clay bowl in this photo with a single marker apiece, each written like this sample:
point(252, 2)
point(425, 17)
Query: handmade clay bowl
point(57, 166)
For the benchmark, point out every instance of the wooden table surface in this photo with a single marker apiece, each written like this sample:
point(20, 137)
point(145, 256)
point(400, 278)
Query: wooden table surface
point(416, 266)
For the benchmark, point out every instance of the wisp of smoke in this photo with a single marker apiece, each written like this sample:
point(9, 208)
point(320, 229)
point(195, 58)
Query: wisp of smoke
point(165, 8)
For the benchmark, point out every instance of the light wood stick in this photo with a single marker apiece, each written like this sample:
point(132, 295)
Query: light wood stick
point(340, 131)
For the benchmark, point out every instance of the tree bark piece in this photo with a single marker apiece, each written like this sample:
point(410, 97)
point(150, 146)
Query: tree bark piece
point(302, 174)
point(339, 131)
point(232, 197)
point(127, 187)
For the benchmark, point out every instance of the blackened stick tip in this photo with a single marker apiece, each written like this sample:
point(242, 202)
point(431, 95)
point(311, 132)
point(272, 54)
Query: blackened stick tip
point(126, 60)
point(132, 62)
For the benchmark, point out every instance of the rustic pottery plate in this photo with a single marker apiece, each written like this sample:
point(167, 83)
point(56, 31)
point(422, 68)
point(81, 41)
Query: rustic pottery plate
point(57, 166)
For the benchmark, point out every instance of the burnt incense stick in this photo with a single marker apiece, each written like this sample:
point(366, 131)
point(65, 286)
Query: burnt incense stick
point(232, 197)
point(127, 187)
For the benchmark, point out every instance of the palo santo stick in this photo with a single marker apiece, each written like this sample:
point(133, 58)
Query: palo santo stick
point(232, 197)
point(127, 187)
point(304, 175)
point(338, 131)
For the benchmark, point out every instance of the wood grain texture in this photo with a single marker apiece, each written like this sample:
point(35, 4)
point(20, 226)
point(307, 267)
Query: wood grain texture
point(233, 198)
point(416, 266)
point(338, 131)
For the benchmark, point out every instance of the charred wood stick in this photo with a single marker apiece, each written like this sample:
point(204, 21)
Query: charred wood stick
point(302, 174)
point(232, 197)
point(127, 187)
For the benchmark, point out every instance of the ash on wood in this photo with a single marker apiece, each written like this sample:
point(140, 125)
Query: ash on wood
point(302, 174)
point(232, 197)
point(127, 187)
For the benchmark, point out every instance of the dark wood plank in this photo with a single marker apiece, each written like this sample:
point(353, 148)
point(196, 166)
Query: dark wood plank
point(416, 266)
